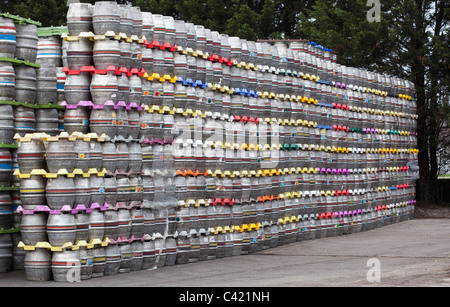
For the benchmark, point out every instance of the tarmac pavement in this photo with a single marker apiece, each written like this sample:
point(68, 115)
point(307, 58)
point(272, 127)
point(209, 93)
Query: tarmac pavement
point(414, 253)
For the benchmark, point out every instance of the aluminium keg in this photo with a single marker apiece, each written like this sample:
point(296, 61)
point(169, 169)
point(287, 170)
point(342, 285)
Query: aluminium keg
point(122, 123)
point(135, 158)
point(106, 52)
point(109, 156)
point(113, 258)
point(82, 191)
point(8, 39)
point(77, 88)
point(96, 225)
point(190, 36)
point(32, 192)
point(5, 253)
point(158, 28)
point(47, 121)
point(126, 20)
point(135, 93)
point(134, 124)
point(26, 42)
point(123, 84)
point(82, 226)
point(79, 18)
point(137, 257)
point(147, 26)
point(104, 88)
point(126, 55)
point(200, 33)
point(76, 120)
point(86, 262)
point(61, 229)
point(34, 228)
point(46, 85)
point(60, 154)
point(104, 121)
point(49, 51)
point(106, 17)
point(97, 188)
point(122, 157)
point(60, 192)
point(136, 56)
point(110, 191)
point(147, 59)
point(6, 124)
point(5, 167)
point(31, 154)
point(124, 218)
point(216, 42)
point(79, 53)
point(26, 84)
point(126, 256)
point(169, 30)
point(180, 33)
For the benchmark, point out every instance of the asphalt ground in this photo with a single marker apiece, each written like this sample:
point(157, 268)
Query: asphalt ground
point(414, 253)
